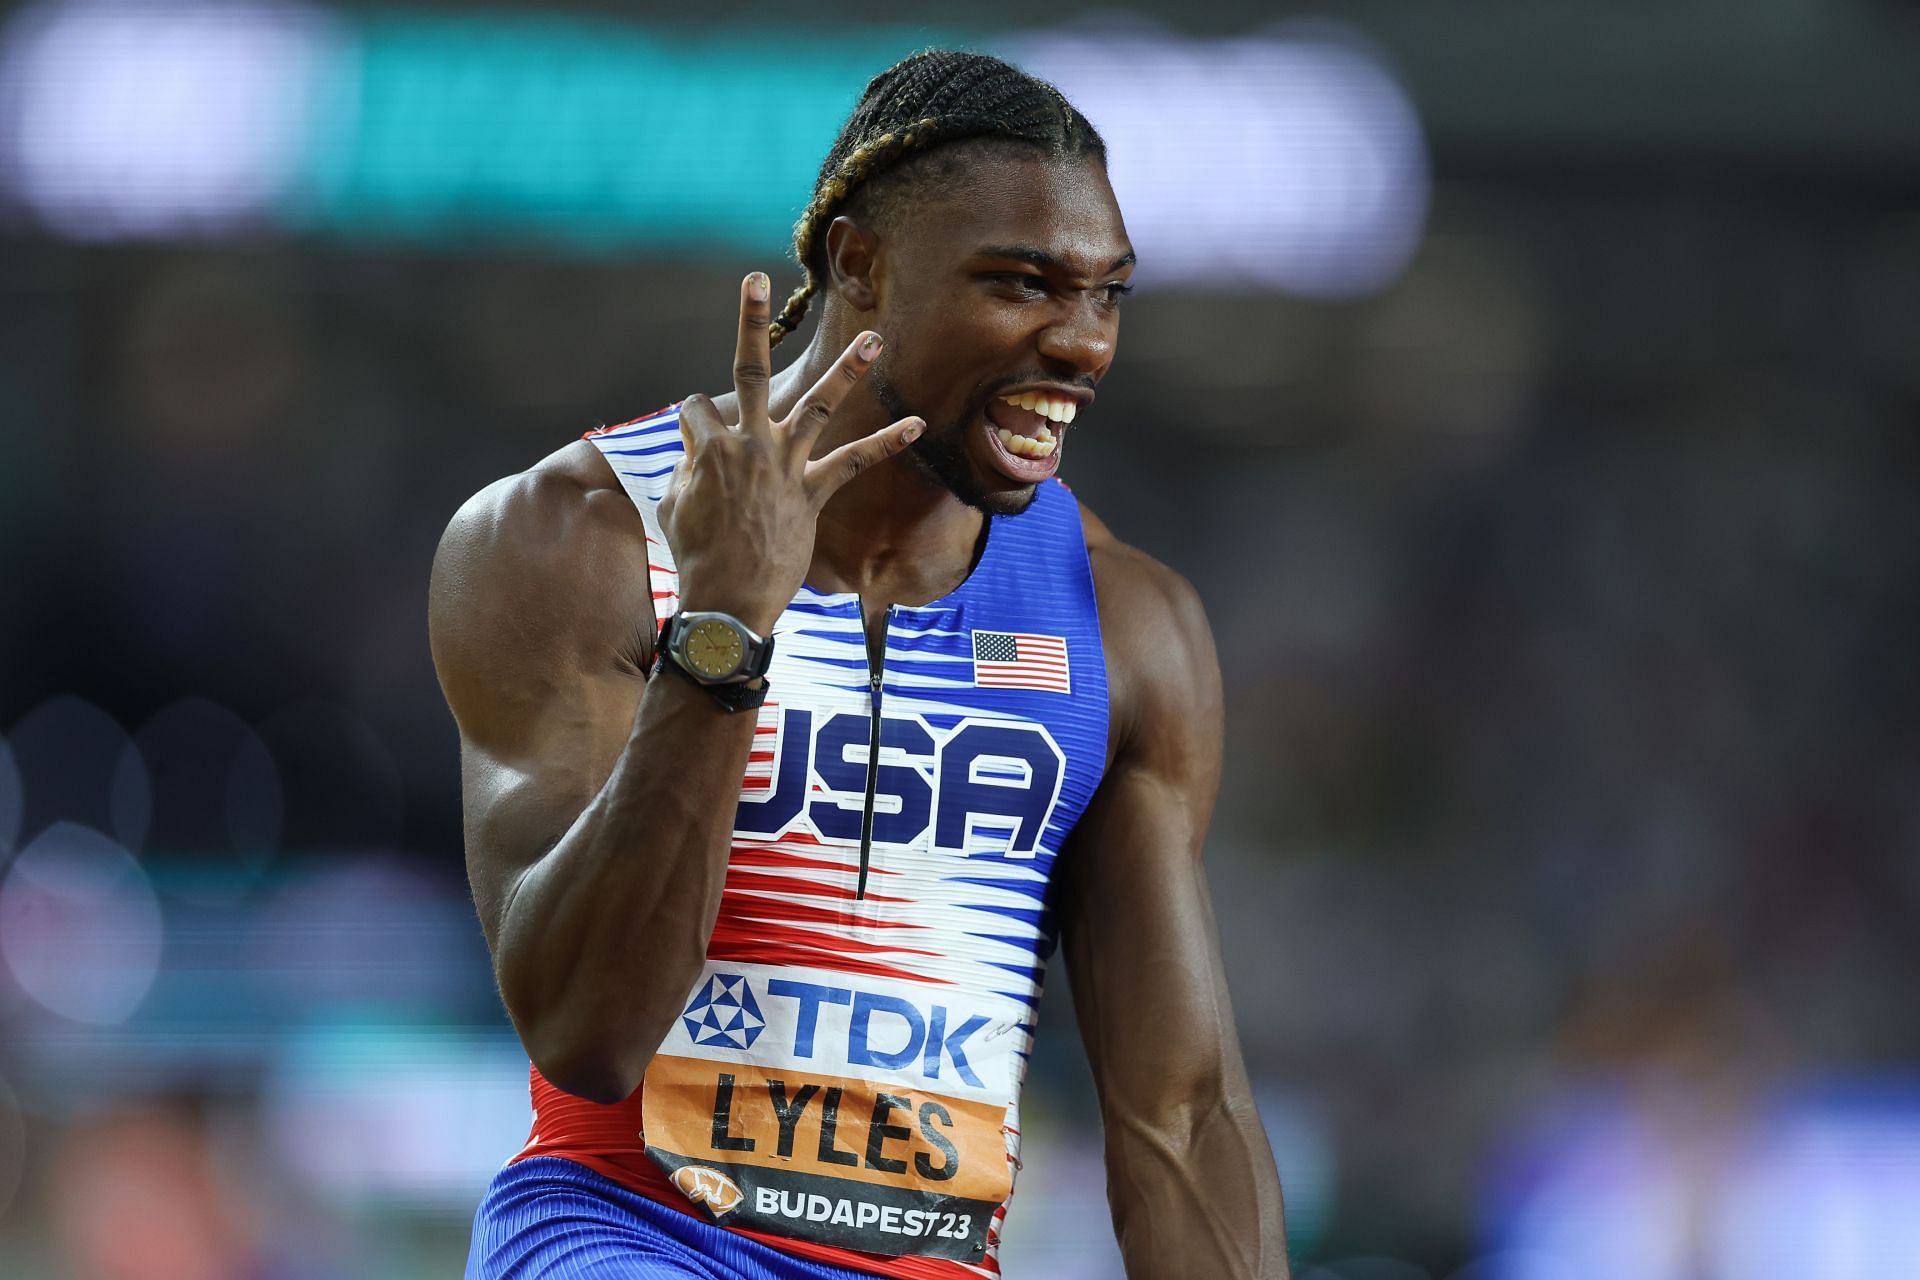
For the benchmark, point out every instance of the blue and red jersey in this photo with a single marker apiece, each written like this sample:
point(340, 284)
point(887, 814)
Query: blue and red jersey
point(844, 1081)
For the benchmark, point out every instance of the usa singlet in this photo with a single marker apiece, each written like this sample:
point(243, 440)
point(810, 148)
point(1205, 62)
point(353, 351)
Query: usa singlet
point(844, 1081)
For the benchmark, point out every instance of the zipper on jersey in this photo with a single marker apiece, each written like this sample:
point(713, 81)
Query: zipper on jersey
point(876, 664)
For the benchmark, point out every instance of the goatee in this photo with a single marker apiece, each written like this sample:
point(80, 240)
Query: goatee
point(940, 454)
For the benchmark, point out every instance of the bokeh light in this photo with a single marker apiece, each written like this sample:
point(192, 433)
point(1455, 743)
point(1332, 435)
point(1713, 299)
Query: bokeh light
point(136, 119)
point(130, 120)
point(1290, 160)
point(80, 926)
point(1678, 1184)
point(1831, 1188)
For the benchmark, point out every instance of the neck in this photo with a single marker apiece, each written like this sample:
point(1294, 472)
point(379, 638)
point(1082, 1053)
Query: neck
point(891, 535)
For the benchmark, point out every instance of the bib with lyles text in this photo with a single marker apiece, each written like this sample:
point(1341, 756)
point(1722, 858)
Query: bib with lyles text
point(862, 1113)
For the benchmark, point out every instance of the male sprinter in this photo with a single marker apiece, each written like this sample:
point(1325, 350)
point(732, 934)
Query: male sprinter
point(796, 724)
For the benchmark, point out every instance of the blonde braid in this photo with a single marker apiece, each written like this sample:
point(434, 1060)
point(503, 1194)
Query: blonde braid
point(859, 165)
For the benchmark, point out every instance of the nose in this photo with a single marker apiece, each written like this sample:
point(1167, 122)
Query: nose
point(1079, 339)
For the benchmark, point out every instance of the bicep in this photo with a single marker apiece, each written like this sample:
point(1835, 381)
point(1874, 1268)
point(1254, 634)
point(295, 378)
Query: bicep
point(535, 640)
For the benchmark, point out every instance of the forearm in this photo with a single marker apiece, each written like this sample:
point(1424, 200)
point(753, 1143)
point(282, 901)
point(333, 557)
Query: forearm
point(1196, 1193)
point(602, 937)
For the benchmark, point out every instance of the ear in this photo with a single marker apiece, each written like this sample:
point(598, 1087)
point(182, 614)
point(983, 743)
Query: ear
point(853, 252)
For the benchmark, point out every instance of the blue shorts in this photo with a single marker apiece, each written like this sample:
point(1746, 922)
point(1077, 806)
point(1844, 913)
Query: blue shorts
point(551, 1219)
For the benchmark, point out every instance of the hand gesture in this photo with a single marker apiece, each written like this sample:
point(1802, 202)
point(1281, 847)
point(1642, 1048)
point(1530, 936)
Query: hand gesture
point(740, 512)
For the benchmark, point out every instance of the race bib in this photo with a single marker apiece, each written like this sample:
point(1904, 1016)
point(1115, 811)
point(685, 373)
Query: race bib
point(869, 1116)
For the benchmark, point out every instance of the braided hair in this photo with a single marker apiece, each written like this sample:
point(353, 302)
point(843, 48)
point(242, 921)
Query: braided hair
point(929, 101)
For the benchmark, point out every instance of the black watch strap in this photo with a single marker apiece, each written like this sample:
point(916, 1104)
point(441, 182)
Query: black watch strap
point(733, 697)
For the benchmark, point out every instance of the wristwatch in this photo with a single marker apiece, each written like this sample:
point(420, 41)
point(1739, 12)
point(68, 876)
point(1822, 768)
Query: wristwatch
point(718, 652)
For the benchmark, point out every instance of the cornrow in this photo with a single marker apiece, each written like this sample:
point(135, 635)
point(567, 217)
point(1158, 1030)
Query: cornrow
point(861, 163)
point(932, 98)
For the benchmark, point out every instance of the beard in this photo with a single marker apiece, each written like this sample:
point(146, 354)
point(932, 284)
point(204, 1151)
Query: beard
point(940, 454)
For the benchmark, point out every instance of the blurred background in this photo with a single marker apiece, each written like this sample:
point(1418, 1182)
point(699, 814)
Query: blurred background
point(1531, 390)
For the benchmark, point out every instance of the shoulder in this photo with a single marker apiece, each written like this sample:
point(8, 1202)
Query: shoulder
point(1159, 645)
point(568, 493)
point(553, 558)
point(564, 512)
point(1126, 578)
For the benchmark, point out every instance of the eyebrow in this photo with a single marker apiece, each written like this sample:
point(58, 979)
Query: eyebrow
point(1041, 258)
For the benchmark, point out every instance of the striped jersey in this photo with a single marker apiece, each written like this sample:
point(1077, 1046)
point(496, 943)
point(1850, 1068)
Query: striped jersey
point(844, 1080)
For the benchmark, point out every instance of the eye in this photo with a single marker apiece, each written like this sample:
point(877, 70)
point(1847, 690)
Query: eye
point(1024, 283)
point(1114, 292)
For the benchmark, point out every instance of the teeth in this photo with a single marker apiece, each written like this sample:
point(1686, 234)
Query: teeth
point(1046, 406)
point(1022, 446)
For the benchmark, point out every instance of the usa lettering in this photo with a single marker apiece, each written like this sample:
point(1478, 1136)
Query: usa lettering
point(982, 785)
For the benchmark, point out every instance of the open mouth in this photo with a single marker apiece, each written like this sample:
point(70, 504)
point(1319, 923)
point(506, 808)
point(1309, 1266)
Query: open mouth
point(1026, 431)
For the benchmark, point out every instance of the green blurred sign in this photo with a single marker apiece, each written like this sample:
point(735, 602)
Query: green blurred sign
point(571, 129)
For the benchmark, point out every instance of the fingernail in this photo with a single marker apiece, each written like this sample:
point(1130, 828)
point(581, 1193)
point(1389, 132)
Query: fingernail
point(870, 346)
point(912, 433)
point(757, 286)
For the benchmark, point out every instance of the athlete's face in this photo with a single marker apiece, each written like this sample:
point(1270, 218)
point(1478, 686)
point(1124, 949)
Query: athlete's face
point(1010, 286)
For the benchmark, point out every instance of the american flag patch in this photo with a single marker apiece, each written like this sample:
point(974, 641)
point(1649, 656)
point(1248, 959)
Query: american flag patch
point(1012, 660)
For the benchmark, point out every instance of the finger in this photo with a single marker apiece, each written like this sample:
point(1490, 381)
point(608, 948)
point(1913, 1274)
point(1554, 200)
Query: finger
point(824, 475)
point(811, 414)
point(699, 422)
point(753, 355)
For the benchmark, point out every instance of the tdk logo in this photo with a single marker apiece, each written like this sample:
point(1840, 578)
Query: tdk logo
point(837, 1024)
point(877, 1020)
point(723, 1012)
point(982, 786)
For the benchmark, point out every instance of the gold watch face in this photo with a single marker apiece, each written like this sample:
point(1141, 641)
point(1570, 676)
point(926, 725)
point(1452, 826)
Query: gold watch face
point(713, 649)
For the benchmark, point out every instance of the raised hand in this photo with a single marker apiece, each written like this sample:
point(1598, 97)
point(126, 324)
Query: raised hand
point(741, 511)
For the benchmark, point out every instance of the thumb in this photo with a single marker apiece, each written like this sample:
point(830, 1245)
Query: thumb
point(827, 474)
